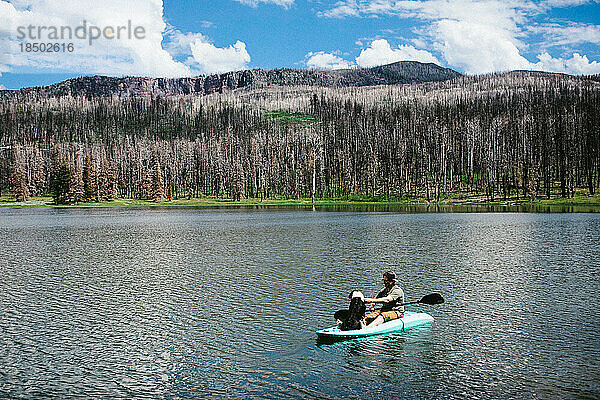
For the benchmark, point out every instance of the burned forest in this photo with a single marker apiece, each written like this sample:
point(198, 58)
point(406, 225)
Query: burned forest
point(518, 134)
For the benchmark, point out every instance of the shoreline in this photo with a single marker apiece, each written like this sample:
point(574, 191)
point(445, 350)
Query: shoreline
point(587, 203)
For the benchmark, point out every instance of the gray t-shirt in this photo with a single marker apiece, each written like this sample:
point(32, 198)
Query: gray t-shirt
point(398, 296)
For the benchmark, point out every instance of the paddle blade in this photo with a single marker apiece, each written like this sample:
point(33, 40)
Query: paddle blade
point(432, 299)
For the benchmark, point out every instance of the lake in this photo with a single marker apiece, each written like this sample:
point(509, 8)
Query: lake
point(205, 303)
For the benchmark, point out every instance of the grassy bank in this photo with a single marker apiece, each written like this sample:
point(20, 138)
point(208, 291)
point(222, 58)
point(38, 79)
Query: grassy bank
point(579, 200)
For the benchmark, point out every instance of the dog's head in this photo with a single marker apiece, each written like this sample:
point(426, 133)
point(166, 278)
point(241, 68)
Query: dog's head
point(356, 293)
point(355, 312)
point(357, 304)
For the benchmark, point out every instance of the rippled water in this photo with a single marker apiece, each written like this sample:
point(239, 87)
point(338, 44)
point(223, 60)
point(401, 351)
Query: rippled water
point(201, 303)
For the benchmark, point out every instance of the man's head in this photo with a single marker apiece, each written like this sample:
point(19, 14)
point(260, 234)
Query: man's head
point(389, 279)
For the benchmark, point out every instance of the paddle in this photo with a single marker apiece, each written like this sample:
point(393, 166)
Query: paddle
point(430, 299)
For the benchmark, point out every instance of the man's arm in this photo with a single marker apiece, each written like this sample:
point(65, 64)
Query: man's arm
point(381, 300)
point(393, 296)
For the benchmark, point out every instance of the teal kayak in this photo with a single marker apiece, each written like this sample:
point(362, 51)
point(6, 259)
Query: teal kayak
point(410, 320)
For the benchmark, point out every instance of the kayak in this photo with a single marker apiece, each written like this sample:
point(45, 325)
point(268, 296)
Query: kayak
point(410, 320)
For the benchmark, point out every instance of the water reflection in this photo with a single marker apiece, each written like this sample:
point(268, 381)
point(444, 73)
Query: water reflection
point(225, 302)
point(430, 208)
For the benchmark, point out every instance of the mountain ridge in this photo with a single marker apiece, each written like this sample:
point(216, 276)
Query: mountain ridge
point(402, 72)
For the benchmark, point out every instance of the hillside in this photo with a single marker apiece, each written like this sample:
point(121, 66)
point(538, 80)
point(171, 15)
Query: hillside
point(404, 72)
point(519, 134)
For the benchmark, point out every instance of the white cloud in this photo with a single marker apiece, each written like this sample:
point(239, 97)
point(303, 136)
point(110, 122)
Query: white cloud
point(484, 11)
point(576, 65)
point(380, 52)
point(146, 56)
point(3, 67)
point(2, 87)
point(476, 48)
point(126, 55)
point(322, 60)
point(214, 60)
point(476, 36)
point(204, 57)
point(342, 9)
point(254, 3)
point(178, 43)
point(566, 3)
point(560, 35)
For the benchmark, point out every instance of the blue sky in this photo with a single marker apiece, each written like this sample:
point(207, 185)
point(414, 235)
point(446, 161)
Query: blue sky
point(189, 38)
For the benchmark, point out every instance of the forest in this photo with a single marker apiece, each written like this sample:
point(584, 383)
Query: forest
point(518, 134)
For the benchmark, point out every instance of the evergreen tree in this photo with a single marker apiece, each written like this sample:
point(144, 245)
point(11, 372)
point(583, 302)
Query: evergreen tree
point(60, 180)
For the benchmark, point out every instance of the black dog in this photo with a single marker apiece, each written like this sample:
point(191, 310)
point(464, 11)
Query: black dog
point(352, 318)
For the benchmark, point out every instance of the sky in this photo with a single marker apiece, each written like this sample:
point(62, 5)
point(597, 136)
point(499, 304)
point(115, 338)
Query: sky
point(47, 41)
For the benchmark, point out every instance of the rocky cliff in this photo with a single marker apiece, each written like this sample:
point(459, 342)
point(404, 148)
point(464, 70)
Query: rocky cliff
point(397, 73)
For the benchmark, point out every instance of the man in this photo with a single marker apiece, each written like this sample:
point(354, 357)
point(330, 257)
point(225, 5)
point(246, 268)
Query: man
point(391, 296)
